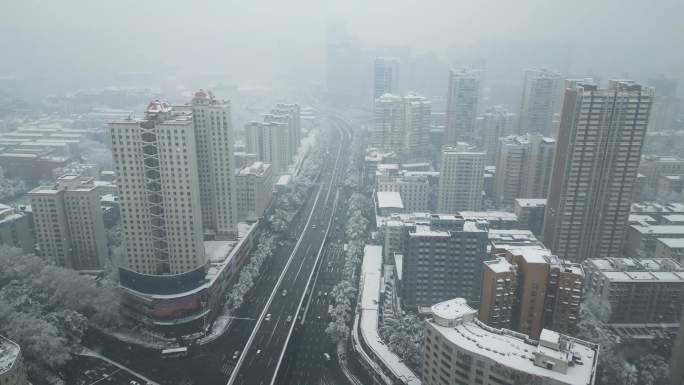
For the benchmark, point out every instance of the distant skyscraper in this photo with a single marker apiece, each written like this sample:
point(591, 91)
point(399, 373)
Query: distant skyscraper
point(385, 76)
point(290, 114)
point(523, 167)
point(462, 102)
point(540, 100)
point(401, 124)
point(269, 141)
point(666, 104)
point(461, 179)
point(69, 225)
point(343, 66)
point(595, 166)
point(388, 121)
point(495, 123)
point(417, 116)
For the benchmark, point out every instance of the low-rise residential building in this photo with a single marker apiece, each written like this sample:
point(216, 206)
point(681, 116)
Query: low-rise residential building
point(32, 152)
point(12, 370)
point(638, 291)
point(254, 190)
point(657, 210)
point(373, 159)
point(670, 186)
point(641, 239)
point(494, 219)
point(460, 349)
point(530, 214)
point(415, 190)
point(16, 228)
point(389, 202)
point(69, 225)
point(672, 248)
point(655, 166)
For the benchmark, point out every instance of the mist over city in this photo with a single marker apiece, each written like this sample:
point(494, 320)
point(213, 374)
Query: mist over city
point(342, 192)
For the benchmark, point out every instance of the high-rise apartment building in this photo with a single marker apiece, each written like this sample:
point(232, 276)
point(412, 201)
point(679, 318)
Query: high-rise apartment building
point(214, 143)
point(540, 100)
point(523, 167)
point(68, 223)
point(269, 141)
point(401, 124)
point(654, 167)
point(461, 179)
point(595, 166)
point(498, 293)
point(385, 76)
point(639, 291)
point(442, 259)
point(460, 349)
point(495, 123)
point(290, 113)
point(254, 190)
point(547, 291)
point(462, 103)
point(157, 164)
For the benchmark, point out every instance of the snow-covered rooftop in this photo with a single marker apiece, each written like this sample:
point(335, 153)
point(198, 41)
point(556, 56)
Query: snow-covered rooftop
point(673, 243)
point(9, 351)
point(389, 199)
point(634, 270)
point(659, 229)
point(489, 215)
point(284, 180)
point(498, 265)
point(217, 251)
point(530, 202)
point(371, 283)
point(457, 323)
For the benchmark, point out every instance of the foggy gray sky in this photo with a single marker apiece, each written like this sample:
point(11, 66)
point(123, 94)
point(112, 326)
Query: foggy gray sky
point(78, 40)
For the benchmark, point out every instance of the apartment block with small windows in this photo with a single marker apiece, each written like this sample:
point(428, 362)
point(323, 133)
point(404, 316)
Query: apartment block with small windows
point(401, 124)
point(442, 259)
point(68, 222)
point(595, 167)
point(461, 181)
point(254, 190)
point(529, 288)
point(638, 291)
point(523, 168)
